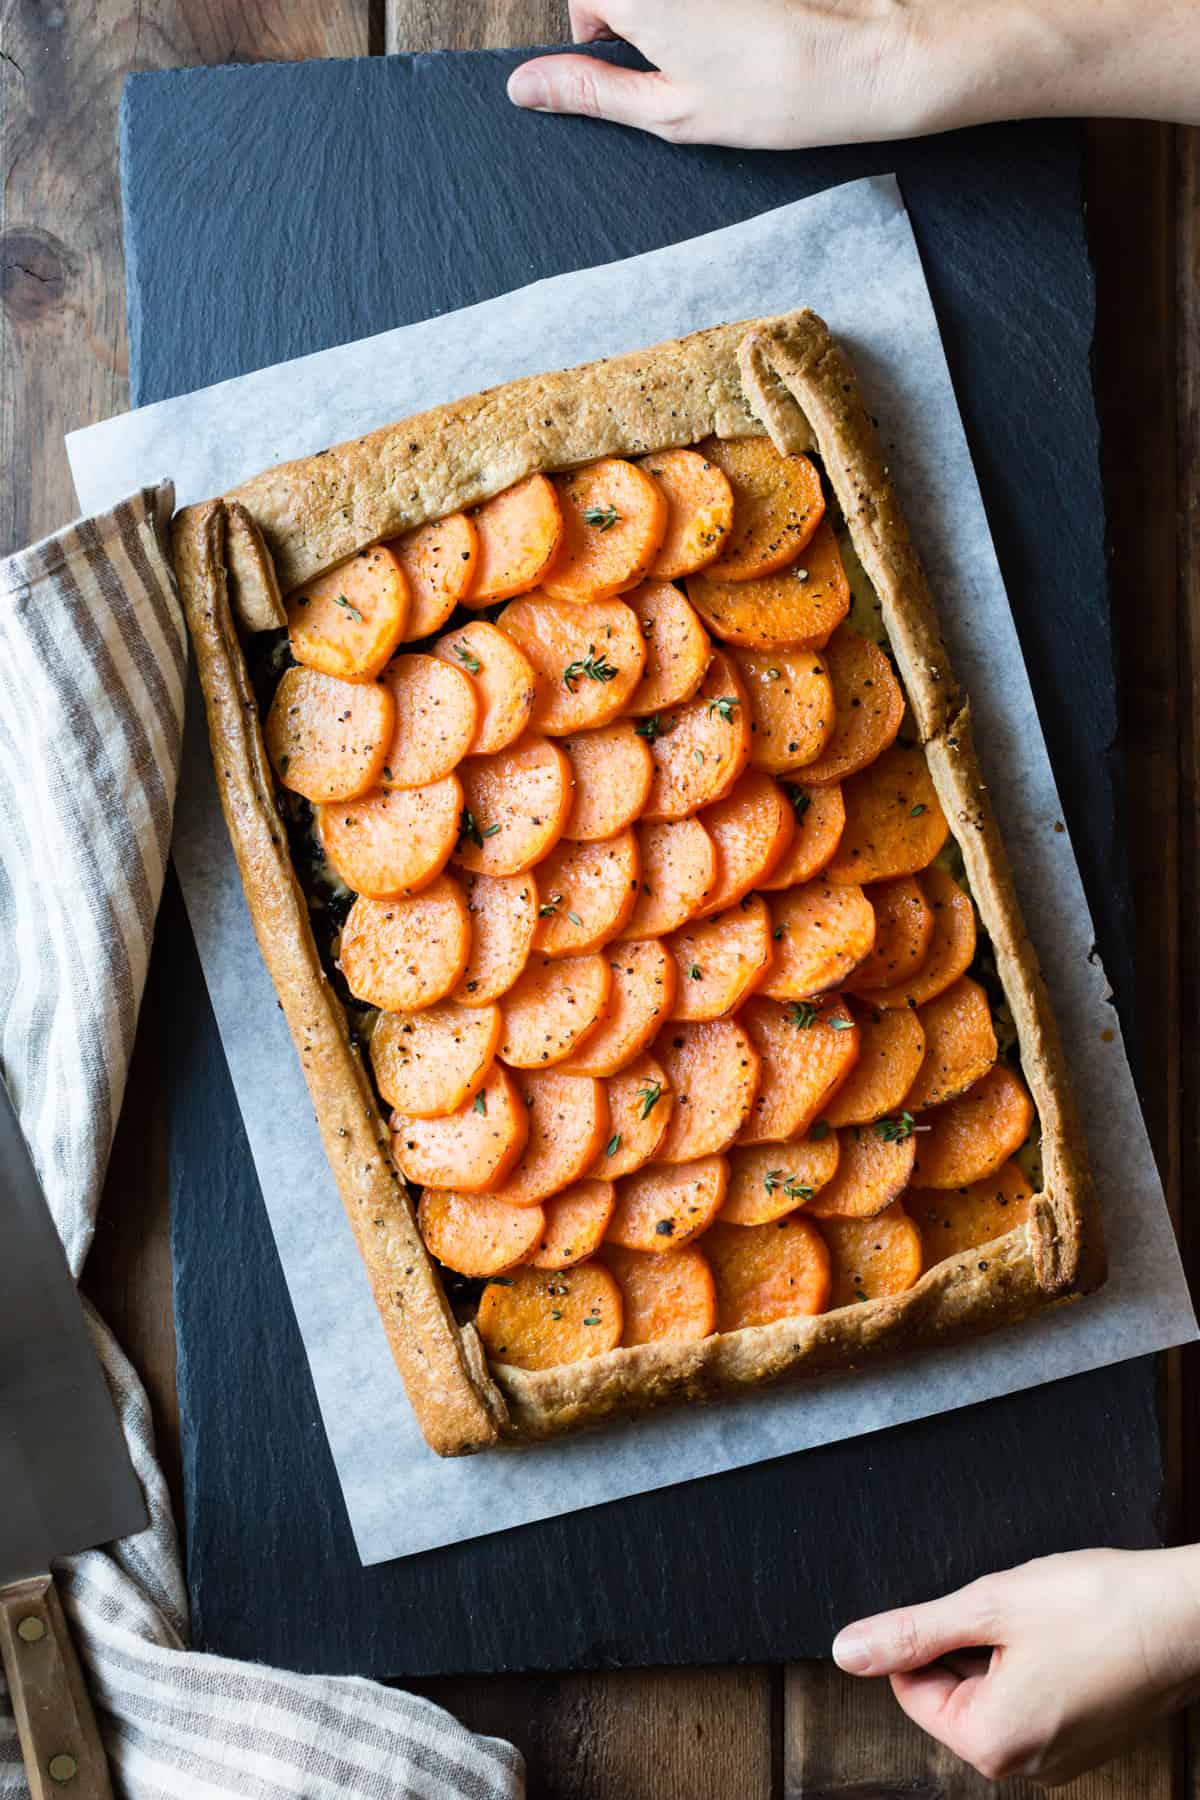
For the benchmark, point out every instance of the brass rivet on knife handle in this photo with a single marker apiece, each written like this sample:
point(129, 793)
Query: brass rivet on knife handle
point(55, 1722)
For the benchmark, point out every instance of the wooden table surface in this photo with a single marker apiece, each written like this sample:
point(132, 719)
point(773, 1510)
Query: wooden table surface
point(739, 1733)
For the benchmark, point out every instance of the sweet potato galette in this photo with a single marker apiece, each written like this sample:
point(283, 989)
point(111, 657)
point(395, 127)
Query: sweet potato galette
point(610, 822)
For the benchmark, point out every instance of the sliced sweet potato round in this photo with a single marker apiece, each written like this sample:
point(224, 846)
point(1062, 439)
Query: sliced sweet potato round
point(666, 1299)
point(871, 1258)
point(402, 955)
point(894, 820)
point(970, 1217)
point(891, 1049)
point(794, 606)
point(475, 1234)
point(612, 769)
point(643, 988)
point(875, 1165)
point(791, 706)
point(587, 659)
point(820, 816)
point(348, 621)
point(713, 1071)
point(503, 911)
point(436, 712)
point(973, 1136)
point(503, 680)
point(427, 1063)
point(661, 1207)
point(868, 707)
point(807, 1052)
point(568, 1123)
point(539, 1318)
point(699, 511)
point(903, 929)
point(719, 961)
point(768, 1272)
point(768, 1181)
point(960, 1045)
point(518, 534)
point(393, 840)
point(677, 647)
point(820, 935)
point(614, 519)
point(951, 945)
point(679, 870)
point(576, 1220)
point(551, 1007)
point(514, 806)
point(640, 1103)
point(777, 506)
point(752, 828)
point(438, 560)
point(328, 739)
point(470, 1150)
point(587, 891)
point(701, 747)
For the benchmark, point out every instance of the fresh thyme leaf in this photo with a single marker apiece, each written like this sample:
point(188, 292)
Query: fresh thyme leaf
point(555, 1313)
point(818, 1131)
point(859, 1295)
point(778, 932)
point(469, 662)
point(387, 773)
point(594, 1320)
point(575, 919)
point(650, 1095)
point(799, 799)
point(694, 971)
point(352, 610)
point(549, 907)
point(591, 665)
point(894, 1131)
point(914, 812)
point(490, 830)
point(793, 1187)
point(481, 1102)
point(724, 706)
point(601, 516)
point(802, 1014)
point(468, 829)
point(652, 728)
point(614, 1144)
point(841, 1024)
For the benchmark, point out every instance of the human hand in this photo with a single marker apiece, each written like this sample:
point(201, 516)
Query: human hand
point(776, 74)
point(1087, 1650)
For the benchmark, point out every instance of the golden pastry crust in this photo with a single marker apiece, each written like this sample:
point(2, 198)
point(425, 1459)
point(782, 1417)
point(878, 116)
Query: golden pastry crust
point(786, 375)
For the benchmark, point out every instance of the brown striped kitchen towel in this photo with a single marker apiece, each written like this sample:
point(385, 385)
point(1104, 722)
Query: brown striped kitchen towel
point(92, 658)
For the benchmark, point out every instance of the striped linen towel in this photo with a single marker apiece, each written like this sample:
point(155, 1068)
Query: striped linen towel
point(92, 649)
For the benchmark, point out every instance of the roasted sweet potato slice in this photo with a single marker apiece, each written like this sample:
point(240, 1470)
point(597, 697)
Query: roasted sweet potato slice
point(717, 962)
point(470, 1150)
point(768, 1272)
point(475, 1234)
point(960, 1045)
point(662, 1207)
point(768, 1181)
point(402, 955)
point(894, 820)
point(973, 1136)
point(538, 1318)
point(643, 989)
point(791, 706)
point(587, 659)
point(872, 1257)
point(679, 870)
point(666, 1299)
point(504, 912)
point(348, 621)
point(576, 1220)
point(587, 891)
point(393, 840)
point(868, 707)
point(328, 739)
point(501, 675)
point(967, 1218)
point(699, 748)
point(890, 1053)
point(614, 519)
point(551, 1008)
point(874, 1168)
point(752, 829)
point(640, 1103)
point(820, 816)
point(514, 806)
point(903, 931)
point(518, 534)
point(427, 1063)
point(438, 560)
point(797, 605)
point(436, 711)
point(699, 511)
point(777, 506)
point(951, 945)
point(820, 935)
point(611, 769)
point(713, 1072)
point(568, 1122)
point(807, 1052)
point(677, 647)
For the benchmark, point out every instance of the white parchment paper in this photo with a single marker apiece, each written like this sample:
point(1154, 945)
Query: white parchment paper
point(850, 254)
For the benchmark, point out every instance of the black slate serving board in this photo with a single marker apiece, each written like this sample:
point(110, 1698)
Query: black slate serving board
point(276, 210)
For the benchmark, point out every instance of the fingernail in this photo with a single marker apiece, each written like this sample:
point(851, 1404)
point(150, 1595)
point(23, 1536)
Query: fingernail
point(851, 1652)
point(526, 88)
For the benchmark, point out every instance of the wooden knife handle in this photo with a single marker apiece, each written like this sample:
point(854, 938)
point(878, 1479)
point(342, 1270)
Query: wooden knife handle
point(64, 1758)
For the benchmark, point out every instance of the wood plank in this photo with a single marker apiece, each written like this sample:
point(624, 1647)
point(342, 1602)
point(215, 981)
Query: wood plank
point(484, 25)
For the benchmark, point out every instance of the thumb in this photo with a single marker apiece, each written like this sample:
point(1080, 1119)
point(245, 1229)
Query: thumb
point(598, 90)
point(915, 1635)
